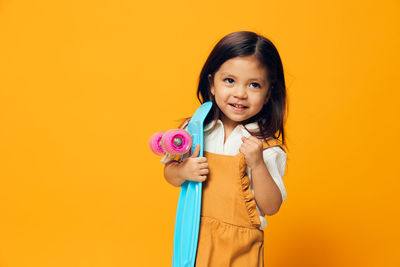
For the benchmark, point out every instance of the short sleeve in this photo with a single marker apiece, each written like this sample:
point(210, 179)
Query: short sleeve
point(275, 159)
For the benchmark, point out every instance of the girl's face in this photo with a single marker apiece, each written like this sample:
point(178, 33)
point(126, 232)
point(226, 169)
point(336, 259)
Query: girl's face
point(240, 88)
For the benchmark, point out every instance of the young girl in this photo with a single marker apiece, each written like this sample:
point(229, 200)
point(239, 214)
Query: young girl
point(243, 161)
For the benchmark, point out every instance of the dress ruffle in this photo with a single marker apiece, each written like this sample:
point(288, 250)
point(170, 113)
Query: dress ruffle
point(250, 202)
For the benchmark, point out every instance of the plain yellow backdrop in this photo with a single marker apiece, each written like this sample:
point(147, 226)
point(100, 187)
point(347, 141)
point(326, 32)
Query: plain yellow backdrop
point(84, 84)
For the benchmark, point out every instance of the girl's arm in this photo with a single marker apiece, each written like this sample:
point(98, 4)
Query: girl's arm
point(172, 173)
point(193, 168)
point(266, 193)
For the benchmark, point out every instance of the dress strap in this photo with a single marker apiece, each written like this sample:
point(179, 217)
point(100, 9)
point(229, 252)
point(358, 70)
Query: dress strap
point(271, 143)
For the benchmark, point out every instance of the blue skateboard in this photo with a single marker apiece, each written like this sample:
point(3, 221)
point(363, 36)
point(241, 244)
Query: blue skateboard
point(187, 219)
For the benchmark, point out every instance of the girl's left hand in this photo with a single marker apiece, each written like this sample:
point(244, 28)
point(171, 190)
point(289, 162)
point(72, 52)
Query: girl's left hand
point(252, 150)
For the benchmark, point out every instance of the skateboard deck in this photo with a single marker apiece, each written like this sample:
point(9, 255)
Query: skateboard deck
point(187, 219)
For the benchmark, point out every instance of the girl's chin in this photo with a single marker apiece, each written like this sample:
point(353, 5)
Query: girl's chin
point(234, 118)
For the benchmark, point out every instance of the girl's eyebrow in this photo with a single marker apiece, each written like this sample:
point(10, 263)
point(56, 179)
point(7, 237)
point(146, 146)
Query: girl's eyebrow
point(252, 79)
point(227, 74)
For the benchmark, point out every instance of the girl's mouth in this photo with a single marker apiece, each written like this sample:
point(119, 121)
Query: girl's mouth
point(238, 107)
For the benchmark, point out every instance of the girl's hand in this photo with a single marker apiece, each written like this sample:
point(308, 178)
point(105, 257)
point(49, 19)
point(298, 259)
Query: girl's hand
point(194, 168)
point(252, 150)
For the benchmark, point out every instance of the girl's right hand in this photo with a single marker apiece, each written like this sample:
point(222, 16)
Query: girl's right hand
point(195, 168)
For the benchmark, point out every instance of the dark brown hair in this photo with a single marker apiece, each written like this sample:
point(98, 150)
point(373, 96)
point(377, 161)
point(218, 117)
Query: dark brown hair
point(245, 43)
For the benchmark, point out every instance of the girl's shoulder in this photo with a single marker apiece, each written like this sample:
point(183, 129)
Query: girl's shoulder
point(274, 154)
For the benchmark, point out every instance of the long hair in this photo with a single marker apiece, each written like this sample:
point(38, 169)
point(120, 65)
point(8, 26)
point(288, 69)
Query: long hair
point(245, 43)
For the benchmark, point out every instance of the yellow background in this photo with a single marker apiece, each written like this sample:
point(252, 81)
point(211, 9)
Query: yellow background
point(83, 85)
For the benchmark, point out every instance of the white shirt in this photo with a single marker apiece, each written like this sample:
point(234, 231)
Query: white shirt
point(274, 157)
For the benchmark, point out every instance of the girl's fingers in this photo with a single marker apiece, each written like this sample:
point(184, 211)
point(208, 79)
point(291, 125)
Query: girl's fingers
point(201, 159)
point(242, 150)
point(204, 171)
point(254, 140)
point(202, 178)
point(245, 147)
point(251, 140)
point(248, 143)
point(251, 144)
point(204, 165)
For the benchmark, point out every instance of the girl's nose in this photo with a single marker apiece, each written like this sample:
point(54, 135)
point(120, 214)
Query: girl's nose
point(240, 92)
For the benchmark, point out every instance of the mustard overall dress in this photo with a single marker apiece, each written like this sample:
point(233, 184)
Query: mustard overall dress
point(229, 225)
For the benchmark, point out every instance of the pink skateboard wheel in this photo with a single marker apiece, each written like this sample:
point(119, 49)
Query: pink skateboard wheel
point(155, 143)
point(176, 142)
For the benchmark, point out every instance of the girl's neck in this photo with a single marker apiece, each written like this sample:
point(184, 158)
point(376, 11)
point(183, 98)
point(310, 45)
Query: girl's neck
point(229, 126)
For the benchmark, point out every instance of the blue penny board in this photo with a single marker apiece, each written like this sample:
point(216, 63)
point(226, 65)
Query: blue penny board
point(187, 219)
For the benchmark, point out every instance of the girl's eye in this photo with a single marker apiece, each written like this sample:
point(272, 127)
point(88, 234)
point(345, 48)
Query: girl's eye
point(229, 80)
point(255, 85)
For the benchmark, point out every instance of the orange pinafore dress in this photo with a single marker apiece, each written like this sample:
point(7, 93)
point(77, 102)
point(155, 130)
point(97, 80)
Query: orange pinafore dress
point(229, 234)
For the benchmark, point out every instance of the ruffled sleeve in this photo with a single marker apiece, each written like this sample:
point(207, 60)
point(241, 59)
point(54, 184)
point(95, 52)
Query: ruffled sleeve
point(275, 160)
point(248, 195)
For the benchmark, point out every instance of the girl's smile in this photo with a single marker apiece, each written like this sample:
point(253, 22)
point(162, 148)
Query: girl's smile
point(240, 88)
